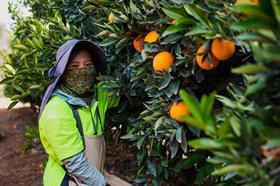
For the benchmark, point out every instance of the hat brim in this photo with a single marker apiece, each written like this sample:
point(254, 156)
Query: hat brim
point(96, 52)
point(58, 69)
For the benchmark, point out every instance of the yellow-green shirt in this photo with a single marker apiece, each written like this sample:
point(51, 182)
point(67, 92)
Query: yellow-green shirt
point(60, 136)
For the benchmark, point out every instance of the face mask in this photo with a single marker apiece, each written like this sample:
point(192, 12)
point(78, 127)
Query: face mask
point(79, 81)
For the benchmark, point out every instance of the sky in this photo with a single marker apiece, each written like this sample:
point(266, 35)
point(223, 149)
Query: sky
point(5, 18)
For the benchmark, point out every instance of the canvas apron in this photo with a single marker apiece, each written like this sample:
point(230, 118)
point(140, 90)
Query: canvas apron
point(95, 153)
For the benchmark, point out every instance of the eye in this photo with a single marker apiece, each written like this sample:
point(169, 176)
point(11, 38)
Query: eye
point(73, 66)
point(89, 64)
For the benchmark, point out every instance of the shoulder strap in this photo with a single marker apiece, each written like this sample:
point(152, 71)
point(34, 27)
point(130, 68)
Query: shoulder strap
point(78, 122)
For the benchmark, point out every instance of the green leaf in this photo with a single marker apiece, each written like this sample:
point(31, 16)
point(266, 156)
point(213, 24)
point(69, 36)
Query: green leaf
point(252, 23)
point(121, 44)
point(207, 103)
point(164, 82)
point(140, 142)
point(260, 84)
point(108, 41)
point(174, 29)
point(250, 69)
point(253, 37)
point(158, 123)
point(6, 80)
point(179, 134)
point(192, 121)
point(205, 144)
point(276, 8)
point(197, 14)
point(152, 168)
point(235, 126)
point(174, 86)
point(136, 13)
point(164, 163)
point(15, 97)
point(174, 148)
point(198, 30)
point(128, 136)
point(34, 87)
point(233, 168)
point(192, 160)
point(272, 143)
point(12, 105)
point(253, 11)
point(19, 46)
point(205, 170)
point(174, 13)
point(10, 68)
point(192, 105)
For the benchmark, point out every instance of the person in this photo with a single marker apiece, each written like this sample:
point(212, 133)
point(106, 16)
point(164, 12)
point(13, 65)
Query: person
point(72, 118)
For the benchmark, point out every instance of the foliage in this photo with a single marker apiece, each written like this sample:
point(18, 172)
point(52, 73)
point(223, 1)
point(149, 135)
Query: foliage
point(166, 147)
point(244, 138)
point(34, 45)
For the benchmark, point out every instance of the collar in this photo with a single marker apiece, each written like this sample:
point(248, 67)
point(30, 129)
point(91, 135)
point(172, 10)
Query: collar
point(72, 100)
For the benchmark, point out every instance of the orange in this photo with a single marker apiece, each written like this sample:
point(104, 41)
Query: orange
point(178, 110)
point(151, 37)
point(174, 22)
point(247, 1)
point(111, 18)
point(206, 65)
point(255, 1)
point(138, 43)
point(222, 49)
point(163, 61)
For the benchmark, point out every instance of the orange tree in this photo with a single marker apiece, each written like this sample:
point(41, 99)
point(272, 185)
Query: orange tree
point(244, 137)
point(154, 48)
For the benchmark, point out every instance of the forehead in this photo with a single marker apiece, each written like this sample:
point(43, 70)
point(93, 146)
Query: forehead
point(82, 55)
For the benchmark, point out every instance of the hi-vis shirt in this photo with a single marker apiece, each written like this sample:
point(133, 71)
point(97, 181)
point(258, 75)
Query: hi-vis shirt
point(60, 136)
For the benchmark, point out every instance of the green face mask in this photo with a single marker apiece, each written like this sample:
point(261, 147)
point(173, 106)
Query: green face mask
point(79, 81)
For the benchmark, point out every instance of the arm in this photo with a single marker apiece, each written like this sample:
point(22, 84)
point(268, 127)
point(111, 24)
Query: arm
point(58, 128)
point(108, 98)
point(79, 166)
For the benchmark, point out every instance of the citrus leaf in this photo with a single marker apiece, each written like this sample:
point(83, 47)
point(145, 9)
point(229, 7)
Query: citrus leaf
point(12, 105)
point(192, 105)
point(174, 13)
point(205, 144)
point(174, 29)
point(250, 69)
point(253, 11)
point(233, 168)
point(152, 168)
point(192, 160)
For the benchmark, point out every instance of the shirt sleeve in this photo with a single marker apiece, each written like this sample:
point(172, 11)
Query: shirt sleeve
point(79, 166)
point(59, 127)
point(106, 99)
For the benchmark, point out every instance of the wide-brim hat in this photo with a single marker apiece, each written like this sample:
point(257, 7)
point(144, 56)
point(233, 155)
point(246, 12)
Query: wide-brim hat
point(62, 58)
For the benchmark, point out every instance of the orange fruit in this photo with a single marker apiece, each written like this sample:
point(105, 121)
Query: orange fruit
point(222, 49)
point(111, 17)
point(247, 1)
point(174, 22)
point(163, 61)
point(255, 1)
point(151, 37)
point(178, 110)
point(205, 64)
point(138, 43)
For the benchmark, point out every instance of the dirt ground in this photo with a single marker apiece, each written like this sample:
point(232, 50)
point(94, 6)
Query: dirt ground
point(21, 159)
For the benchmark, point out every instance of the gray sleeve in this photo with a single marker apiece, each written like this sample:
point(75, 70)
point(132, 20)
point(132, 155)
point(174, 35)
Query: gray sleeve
point(79, 166)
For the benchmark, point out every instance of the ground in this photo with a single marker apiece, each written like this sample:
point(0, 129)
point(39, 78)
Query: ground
point(22, 159)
